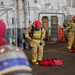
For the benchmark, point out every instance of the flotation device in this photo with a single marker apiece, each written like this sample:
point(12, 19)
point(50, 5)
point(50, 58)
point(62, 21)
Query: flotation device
point(61, 36)
point(73, 50)
point(51, 62)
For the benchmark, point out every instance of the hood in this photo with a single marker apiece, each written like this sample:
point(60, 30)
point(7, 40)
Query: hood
point(2, 28)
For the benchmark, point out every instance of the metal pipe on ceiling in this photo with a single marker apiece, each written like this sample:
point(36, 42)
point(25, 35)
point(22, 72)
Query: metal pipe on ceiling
point(26, 3)
point(24, 8)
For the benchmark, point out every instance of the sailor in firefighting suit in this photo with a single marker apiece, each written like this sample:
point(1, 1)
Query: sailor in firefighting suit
point(2, 33)
point(71, 34)
point(36, 41)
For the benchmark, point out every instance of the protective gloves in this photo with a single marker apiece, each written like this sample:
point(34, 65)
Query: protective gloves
point(28, 39)
point(40, 43)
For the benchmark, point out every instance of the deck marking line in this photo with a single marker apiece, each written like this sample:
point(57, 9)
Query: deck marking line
point(50, 50)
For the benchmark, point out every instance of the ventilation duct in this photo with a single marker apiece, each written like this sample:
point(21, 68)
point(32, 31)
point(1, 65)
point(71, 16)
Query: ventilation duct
point(69, 2)
point(35, 1)
point(73, 3)
point(1, 4)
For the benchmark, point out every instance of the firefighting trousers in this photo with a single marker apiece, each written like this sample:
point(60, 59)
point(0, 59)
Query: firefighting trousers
point(37, 51)
point(73, 41)
point(70, 40)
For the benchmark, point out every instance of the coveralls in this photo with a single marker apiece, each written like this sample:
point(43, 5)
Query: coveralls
point(71, 35)
point(36, 42)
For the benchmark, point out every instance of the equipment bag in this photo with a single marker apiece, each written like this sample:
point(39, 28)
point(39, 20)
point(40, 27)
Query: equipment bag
point(73, 50)
point(51, 62)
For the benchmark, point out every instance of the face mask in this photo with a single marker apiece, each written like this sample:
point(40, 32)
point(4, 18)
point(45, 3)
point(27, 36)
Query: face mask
point(73, 21)
point(37, 28)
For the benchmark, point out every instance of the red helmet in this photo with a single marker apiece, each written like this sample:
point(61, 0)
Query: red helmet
point(73, 17)
point(37, 23)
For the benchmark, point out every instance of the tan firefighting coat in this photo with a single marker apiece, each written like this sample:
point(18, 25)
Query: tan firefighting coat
point(37, 36)
point(71, 34)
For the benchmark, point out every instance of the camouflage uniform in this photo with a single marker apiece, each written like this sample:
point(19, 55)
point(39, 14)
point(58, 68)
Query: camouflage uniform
point(36, 42)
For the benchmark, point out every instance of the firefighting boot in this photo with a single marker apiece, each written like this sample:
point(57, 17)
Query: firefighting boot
point(39, 59)
point(35, 62)
point(69, 48)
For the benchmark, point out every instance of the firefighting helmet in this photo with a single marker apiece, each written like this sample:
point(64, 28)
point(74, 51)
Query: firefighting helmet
point(73, 18)
point(37, 23)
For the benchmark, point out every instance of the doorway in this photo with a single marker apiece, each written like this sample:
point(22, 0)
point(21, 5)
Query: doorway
point(45, 23)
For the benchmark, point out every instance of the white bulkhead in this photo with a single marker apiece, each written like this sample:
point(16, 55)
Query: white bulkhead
point(19, 14)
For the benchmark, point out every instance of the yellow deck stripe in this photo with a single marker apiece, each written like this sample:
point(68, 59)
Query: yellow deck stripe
point(29, 51)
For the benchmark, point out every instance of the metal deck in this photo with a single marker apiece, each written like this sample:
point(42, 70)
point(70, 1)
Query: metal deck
point(58, 51)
